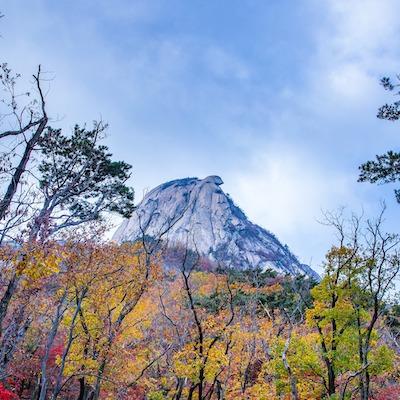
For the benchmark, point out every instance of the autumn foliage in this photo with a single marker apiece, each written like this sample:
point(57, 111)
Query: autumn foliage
point(96, 320)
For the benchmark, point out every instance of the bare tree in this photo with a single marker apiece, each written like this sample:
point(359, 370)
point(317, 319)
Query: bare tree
point(25, 125)
point(367, 270)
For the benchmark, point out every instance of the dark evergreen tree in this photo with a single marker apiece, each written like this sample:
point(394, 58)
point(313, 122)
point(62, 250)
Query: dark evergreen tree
point(79, 180)
point(386, 167)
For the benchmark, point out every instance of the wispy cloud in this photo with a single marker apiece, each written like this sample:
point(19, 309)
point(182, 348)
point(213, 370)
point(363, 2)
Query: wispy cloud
point(323, 128)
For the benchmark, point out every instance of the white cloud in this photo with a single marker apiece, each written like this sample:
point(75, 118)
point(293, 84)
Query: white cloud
point(358, 41)
point(285, 188)
point(360, 28)
point(349, 81)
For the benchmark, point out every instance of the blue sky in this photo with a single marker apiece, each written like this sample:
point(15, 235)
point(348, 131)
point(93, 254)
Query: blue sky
point(277, 97)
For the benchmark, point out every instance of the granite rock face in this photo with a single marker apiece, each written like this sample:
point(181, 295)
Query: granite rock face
point(197, 213)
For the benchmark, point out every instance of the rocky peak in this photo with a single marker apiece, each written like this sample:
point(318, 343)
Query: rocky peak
point(196, 212)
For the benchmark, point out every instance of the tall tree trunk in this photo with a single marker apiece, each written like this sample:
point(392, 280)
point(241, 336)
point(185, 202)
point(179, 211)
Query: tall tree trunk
point(220, 391)
point(16, 178)
point(365, 385)
point(5, 300)
point(96, 392)
point(57, 386)
point(331, 380)
point(191, 391)
point(11, 338)
point(365, 376)
point(179, 389)
point(49, 344)
point(292, 379)
point(201, 383)
point(361, 385)
point(83, 389)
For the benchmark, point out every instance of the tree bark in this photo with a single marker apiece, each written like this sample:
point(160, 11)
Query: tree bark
point(5, 301)
point(16, 178)
point(292, 379)
point(49, 344)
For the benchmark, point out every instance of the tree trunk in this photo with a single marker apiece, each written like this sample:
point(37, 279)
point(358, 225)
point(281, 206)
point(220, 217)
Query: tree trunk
point(220, 391)
point(365, 376)
point(35, 393)
point(83, 389)
point(96, 392)
point(331, 380)
point(292, 379)
point(16, 178)
point(201, 382)
point(179, 389)
point(57, 387)
point(365, 384)
point(49, 344)
point(11, 338)
point(5, 301)
point(191, 391)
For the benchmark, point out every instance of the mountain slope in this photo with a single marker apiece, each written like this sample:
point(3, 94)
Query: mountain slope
point(199, 214)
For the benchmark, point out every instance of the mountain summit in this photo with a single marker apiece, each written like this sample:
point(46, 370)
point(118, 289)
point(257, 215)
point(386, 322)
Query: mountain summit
point(196, 212)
